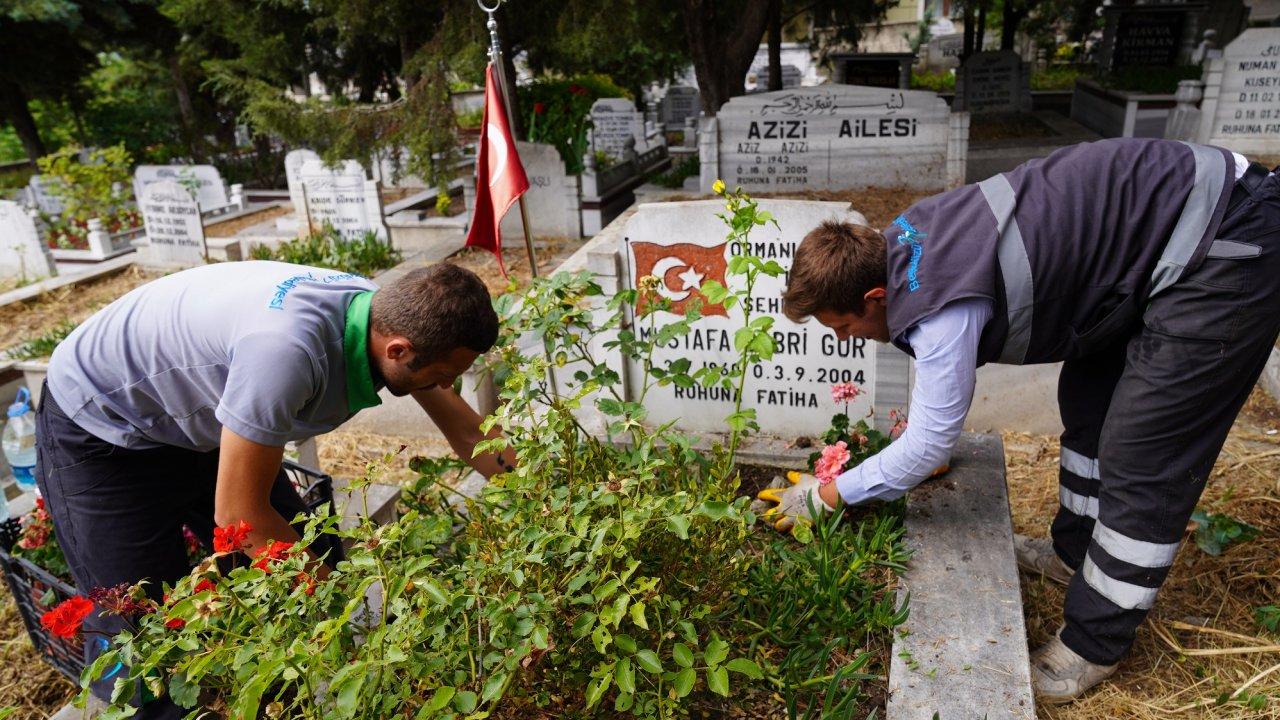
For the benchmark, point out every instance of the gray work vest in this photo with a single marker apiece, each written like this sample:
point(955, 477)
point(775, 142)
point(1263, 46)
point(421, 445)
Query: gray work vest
point(1069, 247)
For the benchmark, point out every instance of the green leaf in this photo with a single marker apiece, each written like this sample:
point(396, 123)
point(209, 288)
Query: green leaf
point(438, 700)
point(679, 524)
point(582, 626)
point(609, 406)
point(625, 643)
point(596, 690)
point(539, 637)
point(717, 650)
point(346, 688)
point(465, 701)
point(682, 655)
point(601, 638)
point(623, 702)
point(433, 591)
point(493, 687)
point(184, 693)
point(743, 666)
point(718, 681)
point(714, 509)
point(648, 661)
point(684, 682)
point(625, 676)
point(802, 531)
point(637, 615)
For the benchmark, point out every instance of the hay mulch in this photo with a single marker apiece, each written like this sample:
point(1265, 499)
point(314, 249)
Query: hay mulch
point(1201, 642)
point(28, 319)
point(27, 683)
point(349, 454)
point(550, 251)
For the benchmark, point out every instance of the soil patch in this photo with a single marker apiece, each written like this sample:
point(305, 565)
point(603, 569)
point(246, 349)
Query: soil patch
point(229, 228)
point(25, 320)
point(1007, 126)
point(549, 251)
point(1207, 604)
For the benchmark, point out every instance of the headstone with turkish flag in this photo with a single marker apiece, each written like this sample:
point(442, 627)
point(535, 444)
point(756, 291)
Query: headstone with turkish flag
point(500, 178)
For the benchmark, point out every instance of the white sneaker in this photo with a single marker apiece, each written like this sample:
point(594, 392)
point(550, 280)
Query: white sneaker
point(1036, 555)
point(1059, 675)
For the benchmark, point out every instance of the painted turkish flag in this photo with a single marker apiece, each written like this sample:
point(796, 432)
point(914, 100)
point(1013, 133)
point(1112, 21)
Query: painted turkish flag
point(500, 178)
point(681, 268)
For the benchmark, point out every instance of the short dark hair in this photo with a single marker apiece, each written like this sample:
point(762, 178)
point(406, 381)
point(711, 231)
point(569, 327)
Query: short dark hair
point(836, 264)
point(438, 309)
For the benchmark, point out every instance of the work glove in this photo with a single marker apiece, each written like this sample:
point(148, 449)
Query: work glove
point(794, 501)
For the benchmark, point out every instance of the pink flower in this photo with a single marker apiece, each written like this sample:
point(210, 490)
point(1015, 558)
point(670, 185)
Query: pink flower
point(844, 392)
point(832, 462)
point(899, 424)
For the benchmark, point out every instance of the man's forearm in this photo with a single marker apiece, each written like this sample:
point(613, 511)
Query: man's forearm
point(461, 427)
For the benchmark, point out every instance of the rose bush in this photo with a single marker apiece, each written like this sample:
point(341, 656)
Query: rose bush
point(611, 573)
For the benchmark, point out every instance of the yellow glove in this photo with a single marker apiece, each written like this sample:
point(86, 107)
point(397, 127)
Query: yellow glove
point(794, 501)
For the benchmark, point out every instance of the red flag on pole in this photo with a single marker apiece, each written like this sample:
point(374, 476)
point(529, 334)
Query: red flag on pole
point(500, 178)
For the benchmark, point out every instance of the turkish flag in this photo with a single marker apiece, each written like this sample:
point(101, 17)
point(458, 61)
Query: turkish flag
point(500, 178)
point(681, 268)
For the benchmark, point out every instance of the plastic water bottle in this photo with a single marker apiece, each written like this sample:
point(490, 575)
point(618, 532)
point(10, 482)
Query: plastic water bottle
point(19, 440)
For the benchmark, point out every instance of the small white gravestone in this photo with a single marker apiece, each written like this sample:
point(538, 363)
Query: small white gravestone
point(552, 200)
point(829, 137)
point(203, 180)
point(994, 82)
point(944, 51)
point(175, 235)
point(40, 195)
point(343, 198)
point(23, 257)
point(1241, 107)
point(683, 244)
point(293, 162)
point(613, 121)
point(680, 102)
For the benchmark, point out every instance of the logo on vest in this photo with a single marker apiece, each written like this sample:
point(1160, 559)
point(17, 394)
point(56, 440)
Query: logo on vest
point(681, 268)
point(911, 236)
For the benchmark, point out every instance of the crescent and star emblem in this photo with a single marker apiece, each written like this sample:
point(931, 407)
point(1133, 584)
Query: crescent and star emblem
point(498, 148)
point(690, 279)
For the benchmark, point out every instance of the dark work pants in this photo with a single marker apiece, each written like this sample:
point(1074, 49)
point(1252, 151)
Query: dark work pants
point(1145, 421)
point(118, 515)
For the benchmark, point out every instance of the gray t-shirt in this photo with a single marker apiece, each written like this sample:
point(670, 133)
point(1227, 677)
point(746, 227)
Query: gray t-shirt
point(253, 346)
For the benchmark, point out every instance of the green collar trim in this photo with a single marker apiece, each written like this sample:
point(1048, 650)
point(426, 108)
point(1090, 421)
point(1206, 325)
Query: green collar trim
point(361, 393)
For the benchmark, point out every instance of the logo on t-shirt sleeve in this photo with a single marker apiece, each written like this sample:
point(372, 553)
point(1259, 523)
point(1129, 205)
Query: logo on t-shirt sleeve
point(911, 236)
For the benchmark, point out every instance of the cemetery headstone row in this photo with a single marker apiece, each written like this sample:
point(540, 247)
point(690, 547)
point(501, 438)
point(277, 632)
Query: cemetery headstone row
point(343, 198)
point(681, 102)
point(203, 180)
point(23, 256)
point(994, 82)
point(614, 121)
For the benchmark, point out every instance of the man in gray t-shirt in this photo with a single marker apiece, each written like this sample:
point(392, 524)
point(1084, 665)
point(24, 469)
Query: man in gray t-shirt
point(172, 405)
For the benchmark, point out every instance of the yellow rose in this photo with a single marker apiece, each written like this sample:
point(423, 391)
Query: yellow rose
point(718, 187)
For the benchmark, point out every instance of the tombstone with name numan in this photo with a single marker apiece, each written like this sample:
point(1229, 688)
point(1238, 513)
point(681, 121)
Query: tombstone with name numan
point(1241, 106)
point(203, 180)
point(613, 121)
point(680, 102)
point(683, 245)
point(343, 198)
point(23, 257)
point(831, 137)
point(994, 82)
point(171, 217)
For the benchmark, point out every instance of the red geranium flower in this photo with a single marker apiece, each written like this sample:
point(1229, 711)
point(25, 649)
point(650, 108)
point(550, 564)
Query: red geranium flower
point(577, 89)
point(277, 550)
point(203, 585)
point(176, 624)
point(64, 621)
point(231, 538)
point(539, 108)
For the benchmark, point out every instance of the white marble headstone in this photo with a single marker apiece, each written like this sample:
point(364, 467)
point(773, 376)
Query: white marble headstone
point(614, 120)
point(551, 201)
point(683, 244)
point(1242, 100)
point(680, 102)
point(23, 257)
point(41, 196)
point(175, 235)
point(210, 191)
point(292, 165)
point(831, 137)
point(342, 198)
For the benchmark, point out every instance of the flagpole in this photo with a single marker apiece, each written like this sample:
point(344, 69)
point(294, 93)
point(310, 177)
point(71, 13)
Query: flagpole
point(500, 77)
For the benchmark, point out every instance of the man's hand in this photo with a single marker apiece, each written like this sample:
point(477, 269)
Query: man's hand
point(461, 427)
point(794, 501)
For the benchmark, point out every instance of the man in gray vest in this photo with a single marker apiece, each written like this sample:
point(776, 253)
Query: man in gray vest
point(1151, 269)
point(172, 406)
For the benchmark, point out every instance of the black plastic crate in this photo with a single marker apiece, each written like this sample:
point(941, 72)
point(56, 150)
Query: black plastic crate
point(36, 591)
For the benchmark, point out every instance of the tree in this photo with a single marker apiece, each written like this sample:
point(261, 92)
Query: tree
point(723, 39)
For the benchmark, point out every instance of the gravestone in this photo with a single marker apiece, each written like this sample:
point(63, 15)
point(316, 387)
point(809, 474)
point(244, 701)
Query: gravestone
point(683, 244)
point(828, 137)
point(613, 121)
point(204, 180)
point(1157, 35)
point(551, 201)
point(886, 70)
point(758, 77)
point(293, 162)
point(171, 217)
point(343, 198)
point(40, 196)
point(681, 102)
point(994, 82)
point(943, 52)
point(1241, 106)
point(23, 257)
